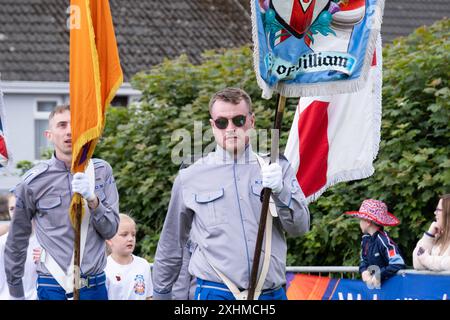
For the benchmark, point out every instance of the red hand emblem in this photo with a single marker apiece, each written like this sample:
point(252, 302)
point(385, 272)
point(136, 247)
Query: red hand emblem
point(298, 15)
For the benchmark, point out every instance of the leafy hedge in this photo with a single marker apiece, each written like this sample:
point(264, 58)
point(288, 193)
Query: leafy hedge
point(412, 167)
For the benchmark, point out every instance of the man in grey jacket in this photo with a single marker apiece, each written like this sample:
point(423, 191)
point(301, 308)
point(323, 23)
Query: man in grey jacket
point(216, 204)
point(44, 195)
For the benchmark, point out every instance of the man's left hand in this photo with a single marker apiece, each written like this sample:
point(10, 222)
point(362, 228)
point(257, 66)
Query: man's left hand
point(272, 177)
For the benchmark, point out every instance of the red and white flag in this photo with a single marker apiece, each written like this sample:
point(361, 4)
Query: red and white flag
point(4, 154)
point(336, 138)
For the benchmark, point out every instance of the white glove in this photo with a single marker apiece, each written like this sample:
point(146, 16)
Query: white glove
point(81, 185)
point(272, 177)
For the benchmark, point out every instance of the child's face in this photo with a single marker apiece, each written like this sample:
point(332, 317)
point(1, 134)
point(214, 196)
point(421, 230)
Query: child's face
point(11, 206)
point(364, 225)
point(124, 241)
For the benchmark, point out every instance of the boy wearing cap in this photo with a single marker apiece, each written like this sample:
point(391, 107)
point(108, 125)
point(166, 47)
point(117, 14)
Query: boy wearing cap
point(377, 248)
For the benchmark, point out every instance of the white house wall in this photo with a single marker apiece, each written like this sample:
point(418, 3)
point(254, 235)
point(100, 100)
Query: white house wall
point(21, 115)
point(21, 112)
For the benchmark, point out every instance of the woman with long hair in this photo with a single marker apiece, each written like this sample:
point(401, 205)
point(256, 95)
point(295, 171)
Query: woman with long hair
point(432, 252)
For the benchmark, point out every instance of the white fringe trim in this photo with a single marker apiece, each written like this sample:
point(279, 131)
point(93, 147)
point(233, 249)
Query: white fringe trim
point(317, 89)
point(378, 105)
point(266, 90)
point(356, 174)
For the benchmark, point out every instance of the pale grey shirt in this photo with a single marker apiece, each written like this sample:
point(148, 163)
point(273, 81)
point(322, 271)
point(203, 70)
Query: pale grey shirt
point(216, 203)
point(44, 195)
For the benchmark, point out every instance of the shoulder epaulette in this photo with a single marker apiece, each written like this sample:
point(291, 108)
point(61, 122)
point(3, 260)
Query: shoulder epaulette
point(98, 163)
point(184, 165)
point(188, 161)
point(34, 172)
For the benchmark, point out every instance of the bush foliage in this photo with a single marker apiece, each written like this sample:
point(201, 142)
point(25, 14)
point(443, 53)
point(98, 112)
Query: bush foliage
point(411, 170)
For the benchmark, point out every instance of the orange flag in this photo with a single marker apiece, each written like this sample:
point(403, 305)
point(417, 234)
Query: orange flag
point(95, 76)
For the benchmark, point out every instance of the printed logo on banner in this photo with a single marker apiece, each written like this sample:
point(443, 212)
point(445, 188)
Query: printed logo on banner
point(303, 42)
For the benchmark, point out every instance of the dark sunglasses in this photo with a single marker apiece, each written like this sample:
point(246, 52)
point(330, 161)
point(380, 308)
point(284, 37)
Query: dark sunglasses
point(238, 121)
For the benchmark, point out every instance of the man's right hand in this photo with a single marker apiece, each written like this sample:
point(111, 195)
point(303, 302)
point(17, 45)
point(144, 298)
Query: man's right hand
point(80, 184)
point(272, 177)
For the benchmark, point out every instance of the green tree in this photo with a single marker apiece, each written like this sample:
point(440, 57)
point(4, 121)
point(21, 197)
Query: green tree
point(412, 167)
point(24, 166)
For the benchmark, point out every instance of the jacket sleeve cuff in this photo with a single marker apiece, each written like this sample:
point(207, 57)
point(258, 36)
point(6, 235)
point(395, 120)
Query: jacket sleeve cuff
point(162, 296)
point(16, 291)
point(283, 199)
point(99, 212)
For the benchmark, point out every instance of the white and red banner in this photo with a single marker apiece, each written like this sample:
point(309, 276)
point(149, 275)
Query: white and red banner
point(4, 154)
point(336, 138)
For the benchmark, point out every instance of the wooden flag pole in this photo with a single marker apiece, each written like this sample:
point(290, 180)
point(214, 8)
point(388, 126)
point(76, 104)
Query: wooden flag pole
point(274, 149)
point(76, 258)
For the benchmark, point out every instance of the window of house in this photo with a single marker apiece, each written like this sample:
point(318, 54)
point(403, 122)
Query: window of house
point(119, 101)
point(43, 109)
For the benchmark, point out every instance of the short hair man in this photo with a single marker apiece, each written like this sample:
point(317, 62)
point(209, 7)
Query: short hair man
point(216, 204)
point(44, 196)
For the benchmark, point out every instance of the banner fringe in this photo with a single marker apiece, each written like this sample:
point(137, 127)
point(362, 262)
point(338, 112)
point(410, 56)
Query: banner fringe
point(349, 175)
point(266, 90)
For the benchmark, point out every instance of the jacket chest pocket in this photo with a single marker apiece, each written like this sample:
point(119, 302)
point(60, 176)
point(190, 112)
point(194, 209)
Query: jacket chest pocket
point(256, 189)
point(51, 213)
point(210, 207)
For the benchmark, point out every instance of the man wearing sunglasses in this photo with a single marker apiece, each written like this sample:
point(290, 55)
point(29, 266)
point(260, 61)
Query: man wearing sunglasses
point(216, 204)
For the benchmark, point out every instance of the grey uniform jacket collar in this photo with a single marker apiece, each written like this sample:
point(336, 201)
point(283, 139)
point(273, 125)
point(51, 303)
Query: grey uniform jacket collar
point(55, 162)
point(222, 156)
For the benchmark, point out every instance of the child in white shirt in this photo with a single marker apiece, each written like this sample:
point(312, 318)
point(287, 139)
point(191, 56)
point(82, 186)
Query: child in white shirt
point(128, 277)
point(29, 278)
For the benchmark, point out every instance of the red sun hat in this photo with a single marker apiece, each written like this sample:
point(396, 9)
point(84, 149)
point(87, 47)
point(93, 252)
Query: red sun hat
point(376, 211)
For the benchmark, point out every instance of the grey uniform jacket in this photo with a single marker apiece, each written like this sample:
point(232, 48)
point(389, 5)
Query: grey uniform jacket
point(218, 197)
point(44, 195)
point(185, 285)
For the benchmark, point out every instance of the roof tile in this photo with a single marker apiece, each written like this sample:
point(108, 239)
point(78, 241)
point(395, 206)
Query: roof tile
point(35, 45)
point(34, 40)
